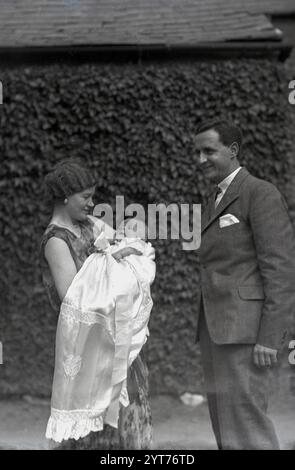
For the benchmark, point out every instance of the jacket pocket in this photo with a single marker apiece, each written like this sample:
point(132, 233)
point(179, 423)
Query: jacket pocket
point(254, 292)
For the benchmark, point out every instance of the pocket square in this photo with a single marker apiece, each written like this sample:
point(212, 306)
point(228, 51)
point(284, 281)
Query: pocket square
point(227, 219)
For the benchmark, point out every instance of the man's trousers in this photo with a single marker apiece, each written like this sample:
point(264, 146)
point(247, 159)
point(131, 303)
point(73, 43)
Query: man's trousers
point(237, 393)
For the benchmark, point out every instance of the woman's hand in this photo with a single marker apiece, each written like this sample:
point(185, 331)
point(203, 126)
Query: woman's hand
point(128, 250)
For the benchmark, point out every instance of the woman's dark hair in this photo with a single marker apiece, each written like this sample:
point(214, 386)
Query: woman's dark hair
point(66, 178)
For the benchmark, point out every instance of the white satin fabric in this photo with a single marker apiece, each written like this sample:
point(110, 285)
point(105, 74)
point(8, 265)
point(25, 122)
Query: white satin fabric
point(102, 326)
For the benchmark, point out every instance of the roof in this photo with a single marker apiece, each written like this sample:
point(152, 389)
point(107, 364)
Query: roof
point(274, 7)
point(136, 22)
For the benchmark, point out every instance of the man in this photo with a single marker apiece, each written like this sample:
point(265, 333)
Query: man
point(247, 265)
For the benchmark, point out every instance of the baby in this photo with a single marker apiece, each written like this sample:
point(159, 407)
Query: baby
point(102, 327)
point(128, 240)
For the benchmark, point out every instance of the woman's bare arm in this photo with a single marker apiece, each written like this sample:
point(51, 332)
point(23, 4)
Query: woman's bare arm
point(61, 264)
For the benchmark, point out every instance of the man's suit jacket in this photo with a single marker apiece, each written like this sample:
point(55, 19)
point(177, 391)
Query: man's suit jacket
point(248, 268)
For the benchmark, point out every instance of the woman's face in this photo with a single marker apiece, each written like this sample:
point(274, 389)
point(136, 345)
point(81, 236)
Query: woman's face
point(80, 205)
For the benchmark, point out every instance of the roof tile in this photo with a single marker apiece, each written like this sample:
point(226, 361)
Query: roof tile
point(100, 22)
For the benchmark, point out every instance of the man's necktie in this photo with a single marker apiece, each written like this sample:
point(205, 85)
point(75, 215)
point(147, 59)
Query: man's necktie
point(212, 201)
point(216, 194)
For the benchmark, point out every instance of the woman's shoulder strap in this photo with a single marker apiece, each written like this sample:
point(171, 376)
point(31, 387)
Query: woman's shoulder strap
point(54, 231)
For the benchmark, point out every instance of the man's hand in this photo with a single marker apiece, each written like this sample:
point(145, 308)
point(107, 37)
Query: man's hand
point(264, 357)
point(128, 250)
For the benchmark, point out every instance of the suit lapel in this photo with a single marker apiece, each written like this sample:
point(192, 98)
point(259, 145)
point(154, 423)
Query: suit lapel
point(208, 211)
point(232, 193)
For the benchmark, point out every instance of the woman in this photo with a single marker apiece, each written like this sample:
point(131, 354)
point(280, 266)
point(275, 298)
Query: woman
point(66, 243)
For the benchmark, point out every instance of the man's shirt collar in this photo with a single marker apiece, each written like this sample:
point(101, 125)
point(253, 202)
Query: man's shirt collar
point(224, 184)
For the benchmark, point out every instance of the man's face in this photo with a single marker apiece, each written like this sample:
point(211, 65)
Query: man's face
point(216, 160)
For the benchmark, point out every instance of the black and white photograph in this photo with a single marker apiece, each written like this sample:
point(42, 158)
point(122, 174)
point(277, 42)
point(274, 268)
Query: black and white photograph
point(147, 217)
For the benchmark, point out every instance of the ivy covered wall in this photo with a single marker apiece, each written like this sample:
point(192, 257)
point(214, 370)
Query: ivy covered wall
point(134, 126)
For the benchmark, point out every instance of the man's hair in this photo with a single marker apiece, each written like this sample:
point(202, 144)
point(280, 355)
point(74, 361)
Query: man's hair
point(228, 132)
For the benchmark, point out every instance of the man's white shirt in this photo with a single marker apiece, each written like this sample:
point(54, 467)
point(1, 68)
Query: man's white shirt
point(224, 184)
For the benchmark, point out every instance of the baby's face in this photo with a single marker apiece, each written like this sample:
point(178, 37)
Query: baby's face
point(131, 228)
point(120, 232)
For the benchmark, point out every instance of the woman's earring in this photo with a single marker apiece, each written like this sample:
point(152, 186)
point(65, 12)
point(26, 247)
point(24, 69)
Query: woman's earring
point(65, 201)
